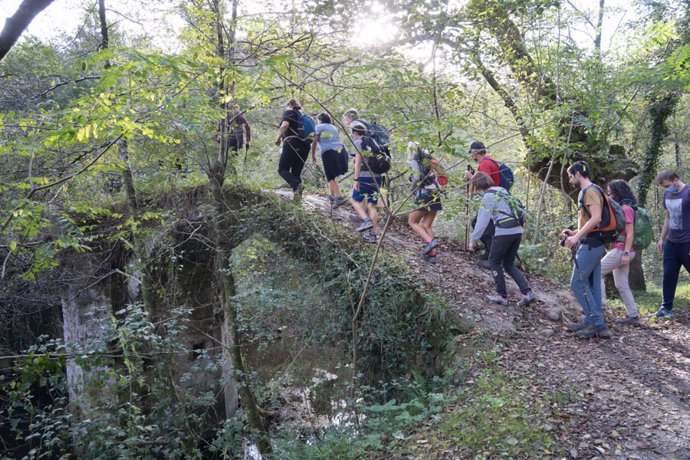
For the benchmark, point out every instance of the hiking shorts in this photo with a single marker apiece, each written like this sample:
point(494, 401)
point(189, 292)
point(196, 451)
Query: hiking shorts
point(428, 200)
point(368, 189)
point(331, 164)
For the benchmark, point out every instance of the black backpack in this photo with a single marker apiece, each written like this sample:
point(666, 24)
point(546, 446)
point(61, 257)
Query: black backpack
point(377, 157)
point(377, 132)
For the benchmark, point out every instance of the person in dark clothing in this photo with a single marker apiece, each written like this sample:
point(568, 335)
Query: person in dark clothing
point(295, 150)
point(236, 133)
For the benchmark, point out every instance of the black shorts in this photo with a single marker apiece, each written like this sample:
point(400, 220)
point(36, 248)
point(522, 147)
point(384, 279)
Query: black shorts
point(331, 165)
point(429, 199)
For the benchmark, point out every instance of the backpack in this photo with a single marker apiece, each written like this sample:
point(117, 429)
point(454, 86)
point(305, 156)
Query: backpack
point(430, 170)
point(644, 233)
point(507, 179)
point(517, 211)
point(612, 217)
point(377, 132)
point(378, 158)
point(305, 127)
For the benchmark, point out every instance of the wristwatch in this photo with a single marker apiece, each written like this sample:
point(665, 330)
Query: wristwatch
point(626, 253)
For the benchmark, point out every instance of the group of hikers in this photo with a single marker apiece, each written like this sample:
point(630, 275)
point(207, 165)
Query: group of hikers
point(500, 221)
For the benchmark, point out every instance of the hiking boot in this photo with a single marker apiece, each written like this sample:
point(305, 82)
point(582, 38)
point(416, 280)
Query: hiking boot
point(575, 327)
point(632, 320)
point(370, 237)
point(298, 193)
point(591, 332)
point(527, 299)
point(664, 313)
point(499, 299)
point(483, 263)
point(430, 246)
point(338, 201)
point(366, 225)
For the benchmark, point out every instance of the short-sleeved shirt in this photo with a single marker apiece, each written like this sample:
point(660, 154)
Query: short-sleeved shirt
point(329, 139)
point(488, 166)
point(292, 117)
point(363, 172)
point(591, 197)
point(629, 219)
point(678, 207)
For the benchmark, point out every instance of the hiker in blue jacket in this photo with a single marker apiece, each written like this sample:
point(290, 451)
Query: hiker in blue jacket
point(496, 207)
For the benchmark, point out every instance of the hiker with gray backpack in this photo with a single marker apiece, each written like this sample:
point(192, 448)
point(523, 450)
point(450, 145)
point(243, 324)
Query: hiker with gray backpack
point(508, 216)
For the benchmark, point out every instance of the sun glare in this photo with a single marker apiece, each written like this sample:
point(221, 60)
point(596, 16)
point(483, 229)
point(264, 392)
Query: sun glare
point(374, 32)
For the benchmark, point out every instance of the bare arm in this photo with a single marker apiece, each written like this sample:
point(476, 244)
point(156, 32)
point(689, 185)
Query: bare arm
point(281, 131)
point(664, 233)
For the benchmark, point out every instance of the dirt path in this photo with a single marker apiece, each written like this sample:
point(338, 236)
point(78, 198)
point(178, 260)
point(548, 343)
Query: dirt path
point(623, 398)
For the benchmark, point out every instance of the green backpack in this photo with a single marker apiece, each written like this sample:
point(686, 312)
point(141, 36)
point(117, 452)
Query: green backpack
point(643, 228)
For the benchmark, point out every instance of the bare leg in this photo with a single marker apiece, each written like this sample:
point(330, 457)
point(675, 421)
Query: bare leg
point(333, 187)
point(427, 222)
point(374, 216)
point(413, 221)
point(360, 209)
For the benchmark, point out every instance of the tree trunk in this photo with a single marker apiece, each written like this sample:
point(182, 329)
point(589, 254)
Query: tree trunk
point(636, 274)
point(17, 23)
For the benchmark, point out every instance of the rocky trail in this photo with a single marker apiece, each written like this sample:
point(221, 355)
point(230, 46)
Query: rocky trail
point(627, 397)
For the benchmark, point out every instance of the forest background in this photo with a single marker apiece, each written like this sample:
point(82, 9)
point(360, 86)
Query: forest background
point(110, 139)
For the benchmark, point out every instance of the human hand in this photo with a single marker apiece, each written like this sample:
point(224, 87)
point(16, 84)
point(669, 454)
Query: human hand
point(356, 186)
point(625, 260)
point(471, 247)
point(278, 142)
point(660, 245)
point(571, 240)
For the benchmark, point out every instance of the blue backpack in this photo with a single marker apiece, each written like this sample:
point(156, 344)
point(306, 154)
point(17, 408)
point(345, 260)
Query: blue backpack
point(505, 173)
point(306, 127)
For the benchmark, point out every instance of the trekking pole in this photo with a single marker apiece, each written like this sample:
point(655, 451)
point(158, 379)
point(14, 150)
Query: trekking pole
point(467, 209)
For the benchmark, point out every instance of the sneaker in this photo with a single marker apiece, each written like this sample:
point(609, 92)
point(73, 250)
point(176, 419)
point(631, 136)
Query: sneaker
point(430, 246)
point(338, 201)
point(664, 313)
point(499, 299)
point(370, 237)
point(330, 198)
point(429, 258)
point(633, 320)
point(366, 225)
point(483, 263)
point(575, 327)
point(527, 299)
point(591, 332)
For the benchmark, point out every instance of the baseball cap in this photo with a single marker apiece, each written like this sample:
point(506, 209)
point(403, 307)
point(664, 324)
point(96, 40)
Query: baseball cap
point(476, 146)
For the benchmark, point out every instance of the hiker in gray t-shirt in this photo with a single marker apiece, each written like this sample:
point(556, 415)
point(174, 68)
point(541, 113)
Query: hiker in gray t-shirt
point(333, 156)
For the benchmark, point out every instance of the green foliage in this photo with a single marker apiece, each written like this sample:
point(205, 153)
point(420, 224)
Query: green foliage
point(133, 365)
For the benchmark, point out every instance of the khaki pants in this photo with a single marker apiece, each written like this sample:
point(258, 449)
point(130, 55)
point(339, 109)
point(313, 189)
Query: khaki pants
point(612, 263)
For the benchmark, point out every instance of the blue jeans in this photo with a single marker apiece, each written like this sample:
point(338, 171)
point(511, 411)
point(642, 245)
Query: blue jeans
point(586, 283)
point(675, 256)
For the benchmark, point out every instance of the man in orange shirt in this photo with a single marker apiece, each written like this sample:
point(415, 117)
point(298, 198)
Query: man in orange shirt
point(488, 166)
